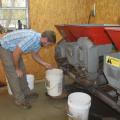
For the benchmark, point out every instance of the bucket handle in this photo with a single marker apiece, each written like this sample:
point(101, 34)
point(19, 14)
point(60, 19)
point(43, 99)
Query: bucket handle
point(49, 87)
point(69, 115)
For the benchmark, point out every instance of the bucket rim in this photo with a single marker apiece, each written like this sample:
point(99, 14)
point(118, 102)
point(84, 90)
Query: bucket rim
point(29, 75)
point(54, 70)
point(84, 102)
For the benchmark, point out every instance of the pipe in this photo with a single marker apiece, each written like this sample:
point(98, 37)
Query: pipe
point(105, 99)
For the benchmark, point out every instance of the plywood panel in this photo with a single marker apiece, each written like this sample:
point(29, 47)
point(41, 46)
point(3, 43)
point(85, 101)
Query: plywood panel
point(44, 14)
point(2, 75)
point(107, 12)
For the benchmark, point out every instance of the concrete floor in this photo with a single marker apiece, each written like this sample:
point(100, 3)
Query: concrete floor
point(44, 108)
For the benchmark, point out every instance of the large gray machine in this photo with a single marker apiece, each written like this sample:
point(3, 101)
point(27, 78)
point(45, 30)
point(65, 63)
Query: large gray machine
point(83, 54)
point(112, 69)
point(86, 52)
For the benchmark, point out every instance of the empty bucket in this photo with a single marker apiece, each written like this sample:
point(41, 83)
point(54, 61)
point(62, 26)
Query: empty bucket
point(9, 90)
point(54, 78)
point(30, 79)
point(78, 106)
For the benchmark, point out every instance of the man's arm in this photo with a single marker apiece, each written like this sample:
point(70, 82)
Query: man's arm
point(16, 57)
point(36, 57)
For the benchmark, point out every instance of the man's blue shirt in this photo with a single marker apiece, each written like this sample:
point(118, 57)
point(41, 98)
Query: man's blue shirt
point(27, 40)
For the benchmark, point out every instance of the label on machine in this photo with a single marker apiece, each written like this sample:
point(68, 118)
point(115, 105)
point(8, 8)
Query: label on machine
point(113, 61)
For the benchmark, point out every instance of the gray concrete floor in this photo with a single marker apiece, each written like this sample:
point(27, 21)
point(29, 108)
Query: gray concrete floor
point(44, 108)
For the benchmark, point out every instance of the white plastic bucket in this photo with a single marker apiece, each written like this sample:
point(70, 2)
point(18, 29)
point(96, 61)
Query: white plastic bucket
point(78, 105)
point(9, 90)
point(30, 79)
point(54, 78)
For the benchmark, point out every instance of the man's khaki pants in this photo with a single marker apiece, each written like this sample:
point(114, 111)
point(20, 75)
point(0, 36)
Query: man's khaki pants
point(19, 86)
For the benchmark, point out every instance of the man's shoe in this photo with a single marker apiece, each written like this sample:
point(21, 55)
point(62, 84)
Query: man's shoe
point(32, 95)
point(24, 105)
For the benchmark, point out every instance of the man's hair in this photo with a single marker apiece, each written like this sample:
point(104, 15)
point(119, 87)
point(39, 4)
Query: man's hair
point(50, 35)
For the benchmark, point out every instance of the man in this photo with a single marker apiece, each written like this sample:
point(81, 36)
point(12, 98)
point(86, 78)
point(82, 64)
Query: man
point(12, 46)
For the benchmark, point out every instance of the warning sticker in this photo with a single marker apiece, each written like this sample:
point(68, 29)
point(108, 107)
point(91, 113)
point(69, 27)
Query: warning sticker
point(113, 61)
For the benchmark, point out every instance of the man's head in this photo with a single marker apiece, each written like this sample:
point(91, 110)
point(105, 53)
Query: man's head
point(48, 38)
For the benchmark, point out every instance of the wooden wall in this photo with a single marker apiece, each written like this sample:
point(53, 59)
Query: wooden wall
point(44, 14)
point(107, 12)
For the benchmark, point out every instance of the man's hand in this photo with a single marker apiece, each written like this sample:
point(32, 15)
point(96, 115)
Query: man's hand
point(19, 73)
point(48, 66)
